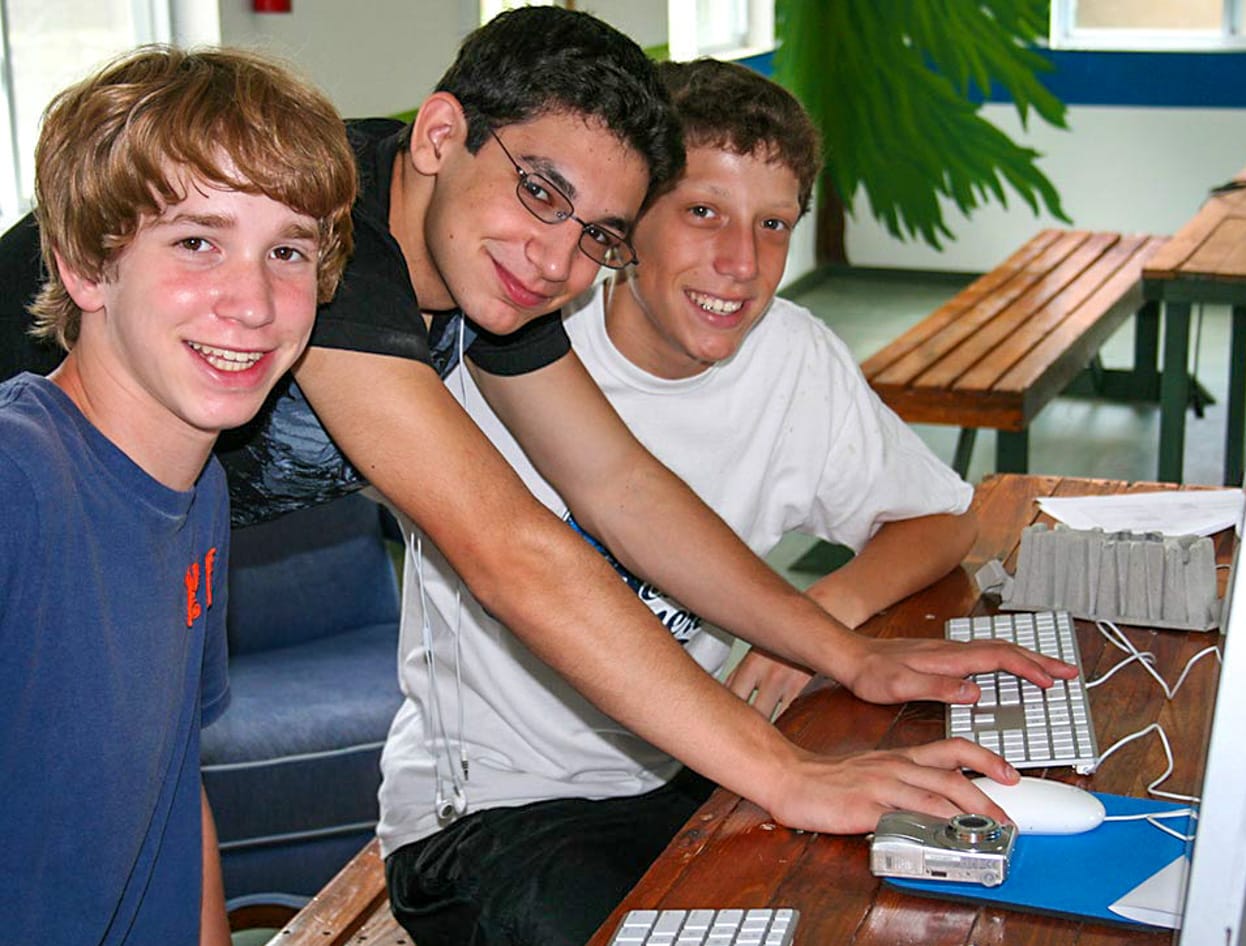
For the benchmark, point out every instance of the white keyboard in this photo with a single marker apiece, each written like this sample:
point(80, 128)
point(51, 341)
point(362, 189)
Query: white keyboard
point(1028, 726)
point(762, 927)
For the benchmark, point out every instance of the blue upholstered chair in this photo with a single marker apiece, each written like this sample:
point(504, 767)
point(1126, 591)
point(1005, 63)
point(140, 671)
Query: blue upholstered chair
point(292, 767)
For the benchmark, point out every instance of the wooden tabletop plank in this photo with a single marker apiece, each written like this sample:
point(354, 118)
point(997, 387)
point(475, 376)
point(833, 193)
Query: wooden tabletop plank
point(1222, 254)
point(346, 903)
point(1168, 262)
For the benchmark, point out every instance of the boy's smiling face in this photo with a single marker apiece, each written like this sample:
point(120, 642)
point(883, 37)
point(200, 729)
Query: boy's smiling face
point(712, 252)
point(485, 250)
point(200, 314)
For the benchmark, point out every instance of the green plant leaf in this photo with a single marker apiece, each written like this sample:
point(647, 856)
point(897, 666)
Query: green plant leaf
point(892, 85)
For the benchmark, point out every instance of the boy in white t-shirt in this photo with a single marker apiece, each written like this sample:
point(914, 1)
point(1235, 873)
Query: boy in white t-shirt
point(515, 812)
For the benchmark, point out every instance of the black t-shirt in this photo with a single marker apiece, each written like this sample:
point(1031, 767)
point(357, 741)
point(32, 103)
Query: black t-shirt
point(284, 459)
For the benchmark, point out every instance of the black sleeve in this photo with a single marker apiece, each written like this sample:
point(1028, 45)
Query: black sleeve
point(21, 276)
point(375, 308)
point(539, 343)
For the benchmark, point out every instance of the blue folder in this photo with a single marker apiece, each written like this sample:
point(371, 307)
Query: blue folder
point(1078, 875)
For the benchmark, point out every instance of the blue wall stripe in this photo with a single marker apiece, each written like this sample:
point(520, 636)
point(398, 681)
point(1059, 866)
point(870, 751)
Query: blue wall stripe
point(1155, 79)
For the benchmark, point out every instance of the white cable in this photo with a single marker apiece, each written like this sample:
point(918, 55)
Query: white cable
point(1116, 636)
point(458, 803)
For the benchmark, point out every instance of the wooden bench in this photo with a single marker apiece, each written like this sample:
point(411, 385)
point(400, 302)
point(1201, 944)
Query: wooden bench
point(1003, 347)
point(352, 909)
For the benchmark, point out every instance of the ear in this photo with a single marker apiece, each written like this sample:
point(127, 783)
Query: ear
point(86, 292)
point(439, 128)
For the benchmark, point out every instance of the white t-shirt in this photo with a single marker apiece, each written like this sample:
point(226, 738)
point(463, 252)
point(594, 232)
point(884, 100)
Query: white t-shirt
point(785, 436)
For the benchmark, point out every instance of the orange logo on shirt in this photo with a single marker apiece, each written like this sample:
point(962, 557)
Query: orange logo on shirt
point(194, 610)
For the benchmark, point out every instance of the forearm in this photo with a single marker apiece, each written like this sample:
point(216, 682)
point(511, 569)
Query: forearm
point(661, 530)
point(213, 922)
point(902, 557)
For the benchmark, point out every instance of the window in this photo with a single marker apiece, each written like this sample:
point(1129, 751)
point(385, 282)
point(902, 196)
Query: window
point(723, 28)
point(44, 46)
point(1147, 24)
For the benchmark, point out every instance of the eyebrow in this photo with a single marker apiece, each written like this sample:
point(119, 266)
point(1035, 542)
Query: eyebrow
point(292, 231)
point(546, 168)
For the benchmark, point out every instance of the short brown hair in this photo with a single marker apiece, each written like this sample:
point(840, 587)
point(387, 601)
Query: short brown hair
point(729, 106)
point(113, 147)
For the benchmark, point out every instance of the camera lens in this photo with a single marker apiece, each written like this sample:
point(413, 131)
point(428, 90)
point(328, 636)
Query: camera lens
point(973, 829)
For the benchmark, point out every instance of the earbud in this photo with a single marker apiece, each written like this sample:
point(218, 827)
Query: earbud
point(450, 808)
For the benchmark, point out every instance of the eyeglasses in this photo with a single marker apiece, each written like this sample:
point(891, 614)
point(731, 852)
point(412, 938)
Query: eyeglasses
point(550, 205)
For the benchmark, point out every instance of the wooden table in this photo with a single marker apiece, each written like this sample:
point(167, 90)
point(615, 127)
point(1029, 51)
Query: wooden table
point(1205, 262)
point(731, 854)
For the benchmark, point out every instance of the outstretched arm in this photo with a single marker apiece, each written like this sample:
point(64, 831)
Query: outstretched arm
point(213, 923)
point(659, 529)
point(400, 427)
point(901, 557)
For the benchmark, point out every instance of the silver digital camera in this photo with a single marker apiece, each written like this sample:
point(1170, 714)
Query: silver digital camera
point(967, 848)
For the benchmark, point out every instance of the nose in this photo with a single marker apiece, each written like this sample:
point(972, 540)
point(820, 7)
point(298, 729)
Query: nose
point(737, 251)
point(246, 293)
point(553, 250)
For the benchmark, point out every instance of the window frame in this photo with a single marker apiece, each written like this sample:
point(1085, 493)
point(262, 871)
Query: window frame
point(1065, 34)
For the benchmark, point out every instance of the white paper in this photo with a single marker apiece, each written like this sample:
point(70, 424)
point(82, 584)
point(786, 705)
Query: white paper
point(1172, 512)
point(1158, 900)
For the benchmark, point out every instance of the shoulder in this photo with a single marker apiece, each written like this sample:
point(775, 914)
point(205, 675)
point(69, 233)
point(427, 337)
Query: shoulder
point(34, 445)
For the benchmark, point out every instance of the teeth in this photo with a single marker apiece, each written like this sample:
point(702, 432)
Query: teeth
point(714, 304)
point(225, 359)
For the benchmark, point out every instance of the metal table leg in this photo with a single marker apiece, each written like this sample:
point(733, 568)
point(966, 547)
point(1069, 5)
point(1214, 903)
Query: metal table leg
point(1236, 423)
point(1174, 391)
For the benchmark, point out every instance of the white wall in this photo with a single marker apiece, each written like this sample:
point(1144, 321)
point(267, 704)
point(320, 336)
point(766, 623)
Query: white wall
point(372, 58)
point(1126, 169)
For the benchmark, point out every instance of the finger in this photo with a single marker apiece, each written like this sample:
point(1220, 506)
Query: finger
point(1037, 668)
point(741, 684)
point(951, 793)
point(768, 702)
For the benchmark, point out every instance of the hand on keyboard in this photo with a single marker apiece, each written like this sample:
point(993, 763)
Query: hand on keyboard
point(896, 671)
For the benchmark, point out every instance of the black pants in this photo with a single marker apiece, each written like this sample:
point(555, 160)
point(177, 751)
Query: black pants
point(545, 874)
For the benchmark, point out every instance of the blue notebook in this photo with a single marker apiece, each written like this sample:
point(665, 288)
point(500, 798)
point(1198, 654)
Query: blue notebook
point(1084, 875)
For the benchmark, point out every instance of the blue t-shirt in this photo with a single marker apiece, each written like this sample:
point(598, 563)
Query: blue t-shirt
point(112, 655)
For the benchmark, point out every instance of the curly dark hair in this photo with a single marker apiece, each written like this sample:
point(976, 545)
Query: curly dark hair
point(533, 61)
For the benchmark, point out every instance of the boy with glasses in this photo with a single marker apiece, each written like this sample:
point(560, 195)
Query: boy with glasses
point(440, 231)
point(764, 413)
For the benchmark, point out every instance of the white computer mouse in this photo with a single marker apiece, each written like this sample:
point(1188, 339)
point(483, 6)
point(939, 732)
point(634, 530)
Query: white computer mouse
point(1042, 806)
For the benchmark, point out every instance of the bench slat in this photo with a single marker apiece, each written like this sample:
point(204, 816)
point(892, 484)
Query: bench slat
point(883, 361)
point(1043, 313)
point(1003, 347)
point(1078, 338)
point(986, 340)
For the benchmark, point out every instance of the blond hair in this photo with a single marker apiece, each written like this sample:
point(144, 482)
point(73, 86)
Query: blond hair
point(114, 150)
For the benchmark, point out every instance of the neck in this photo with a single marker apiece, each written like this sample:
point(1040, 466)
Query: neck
point(409, 196)
point(636, 337)
point(170, 453)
